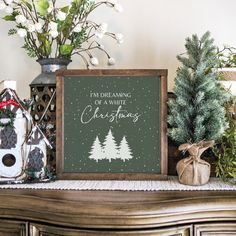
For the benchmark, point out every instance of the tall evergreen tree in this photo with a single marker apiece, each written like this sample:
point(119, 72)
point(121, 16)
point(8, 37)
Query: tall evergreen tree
point(125, 151)
point(197, 113)
point(110, 148)
point(96, 152)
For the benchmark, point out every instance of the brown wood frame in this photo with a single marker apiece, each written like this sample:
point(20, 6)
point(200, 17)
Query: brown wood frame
point(60, 125)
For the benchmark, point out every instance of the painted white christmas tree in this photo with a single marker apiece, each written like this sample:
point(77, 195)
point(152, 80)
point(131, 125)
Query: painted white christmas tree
point(125, 152)
point(96, 152)
point(110, 149)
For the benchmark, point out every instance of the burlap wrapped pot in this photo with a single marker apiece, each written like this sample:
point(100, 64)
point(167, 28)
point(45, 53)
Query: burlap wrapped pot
point(193, 170)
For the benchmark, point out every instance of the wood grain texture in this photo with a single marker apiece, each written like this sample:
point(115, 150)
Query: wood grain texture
point(45, 230)
point(123, 72)
point(117, 210)
point(13, 228)
point(61, 174)
point(216, 229)
point(164, 142)
point(59, 123)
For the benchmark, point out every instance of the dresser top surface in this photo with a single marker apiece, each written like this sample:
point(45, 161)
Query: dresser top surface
point(109, 209)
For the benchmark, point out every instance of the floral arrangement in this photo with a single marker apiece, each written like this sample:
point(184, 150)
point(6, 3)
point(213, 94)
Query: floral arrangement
point(50, 31)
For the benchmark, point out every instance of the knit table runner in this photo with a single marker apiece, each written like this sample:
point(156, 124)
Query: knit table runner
point(171, 184)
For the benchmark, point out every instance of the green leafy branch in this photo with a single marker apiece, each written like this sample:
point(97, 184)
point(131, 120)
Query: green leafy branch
point(225, 150)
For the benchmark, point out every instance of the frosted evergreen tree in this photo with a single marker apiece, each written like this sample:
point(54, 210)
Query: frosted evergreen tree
point(96, 152)
point(125, 152)
point(110, 149)
point(197, 113)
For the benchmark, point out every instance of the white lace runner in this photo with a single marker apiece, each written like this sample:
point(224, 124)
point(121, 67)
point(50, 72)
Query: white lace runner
point(171, 184)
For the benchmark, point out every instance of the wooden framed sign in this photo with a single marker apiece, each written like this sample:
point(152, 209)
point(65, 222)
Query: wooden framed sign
point(111, 124)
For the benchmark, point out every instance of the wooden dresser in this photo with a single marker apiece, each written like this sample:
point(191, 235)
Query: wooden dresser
point(90, 213)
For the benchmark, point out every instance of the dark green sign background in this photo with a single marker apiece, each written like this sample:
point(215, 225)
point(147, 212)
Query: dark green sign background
point(130, 108)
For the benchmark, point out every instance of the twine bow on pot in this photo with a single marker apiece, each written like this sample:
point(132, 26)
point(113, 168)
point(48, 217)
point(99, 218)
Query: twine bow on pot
point(193, 170)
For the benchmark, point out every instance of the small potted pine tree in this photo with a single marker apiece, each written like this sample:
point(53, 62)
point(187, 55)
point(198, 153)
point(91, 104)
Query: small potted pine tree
point(196, 116)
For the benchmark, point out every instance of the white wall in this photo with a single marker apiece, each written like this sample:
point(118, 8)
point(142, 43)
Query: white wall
point(154, 30)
